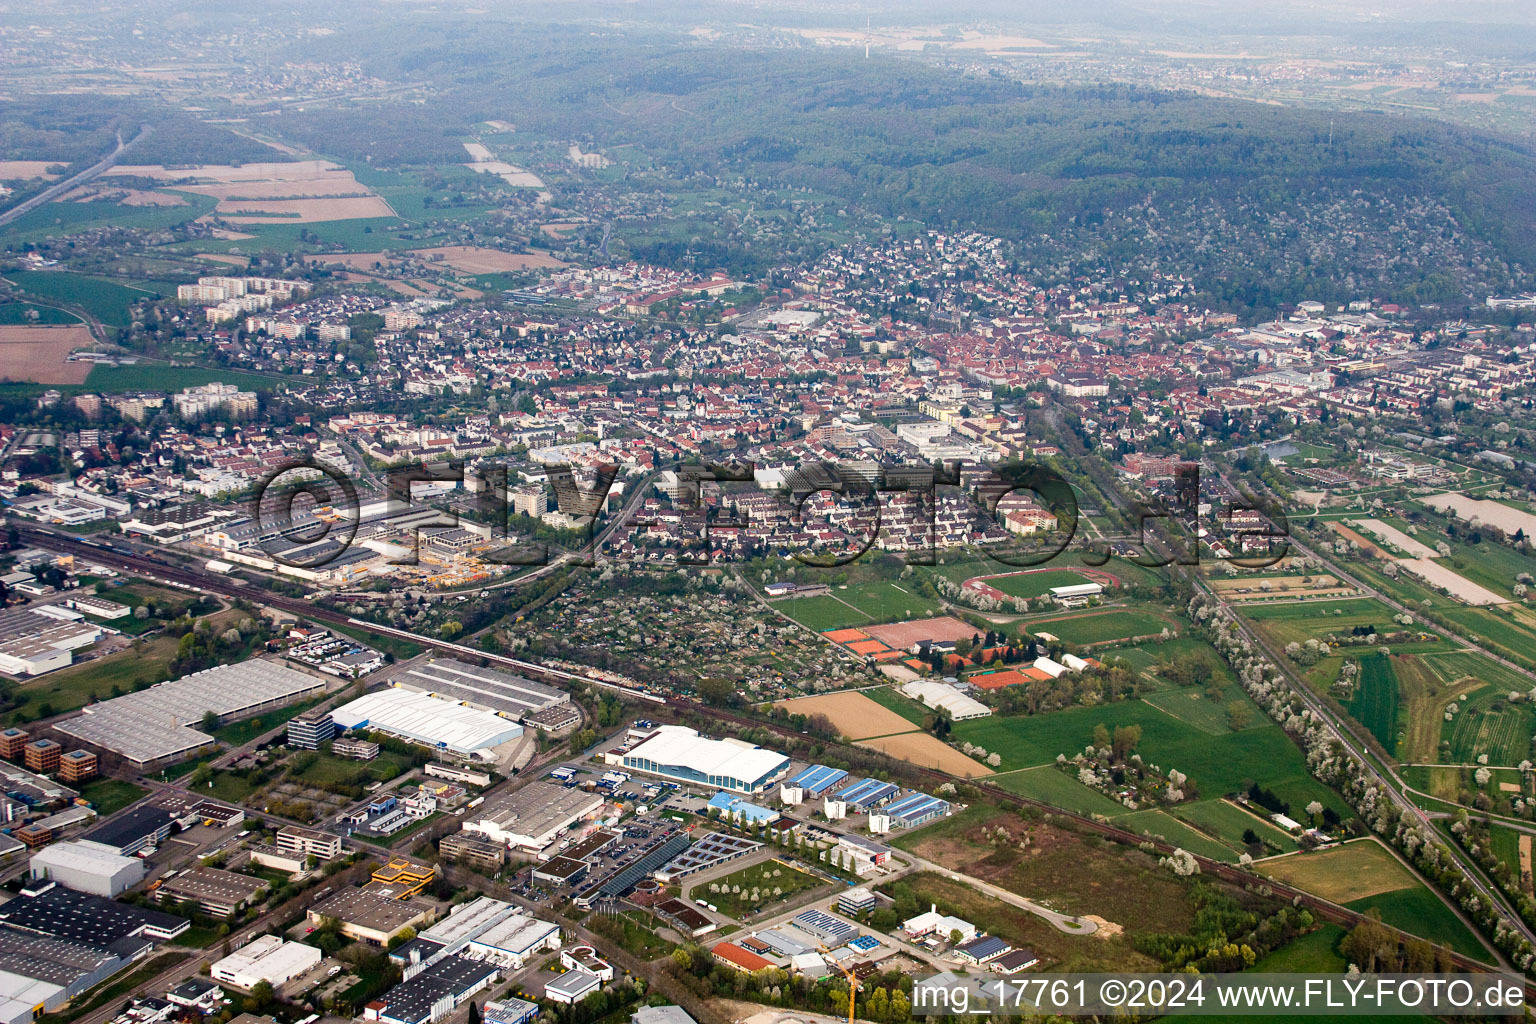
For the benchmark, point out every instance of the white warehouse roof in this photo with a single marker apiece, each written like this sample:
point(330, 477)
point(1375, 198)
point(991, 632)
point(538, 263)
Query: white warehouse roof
point(940, 695)
point(266, 958)
point(426, 719)
point(680, 752)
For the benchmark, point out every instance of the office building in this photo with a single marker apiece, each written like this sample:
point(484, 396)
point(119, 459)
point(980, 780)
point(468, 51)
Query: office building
point(308, 729)
point(42, 756)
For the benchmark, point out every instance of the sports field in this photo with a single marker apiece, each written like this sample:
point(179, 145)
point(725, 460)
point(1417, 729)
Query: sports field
point(1103, 626)
point(1031, 582)
point(822, 613)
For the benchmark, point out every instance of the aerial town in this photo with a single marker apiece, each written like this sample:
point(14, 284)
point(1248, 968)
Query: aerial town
point(486, 547)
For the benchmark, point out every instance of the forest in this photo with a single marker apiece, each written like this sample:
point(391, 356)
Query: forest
point(1259, 202)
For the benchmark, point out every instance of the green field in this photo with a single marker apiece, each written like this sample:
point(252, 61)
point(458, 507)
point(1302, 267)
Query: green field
point(22, 313)
point(159, 377)
point(1374, 704)
point(1489, 724)
point(1229, 822)
point(1193, 706)
point(907, 708)
point(1216, 765)
point(1103, 626)
point(1421, 912)
point(887, 602)
point(822, 613)
point(1035, 584)
point(1055, 787)
point(1488, 563)
point(107, 301)
point(77, 685)
point(1316, 952)
point(766, 877)
point(53, 219)
point(1159, 823)
point(1503, 629)
point(1300, 622)
point(111, 795)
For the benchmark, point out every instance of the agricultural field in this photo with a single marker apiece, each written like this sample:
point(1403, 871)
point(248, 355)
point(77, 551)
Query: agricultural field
point(1363, 875)
point(28, 314)
point(107, 301)
point(1096, 627)
point(1509, 630)
point(922, 748)
point(1282, 624)
point(855, 715)
point(1350, 871)
point(1245, 588)
point(1375, 701)
point(906, 707)
point(1490, 725)
point(38, 354)
point(754, 890)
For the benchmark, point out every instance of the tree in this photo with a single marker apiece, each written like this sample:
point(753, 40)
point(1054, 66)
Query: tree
point(260, 997)
point(1238, 715)
point(1314, 809)
point(210, 721)
point(1126, 738)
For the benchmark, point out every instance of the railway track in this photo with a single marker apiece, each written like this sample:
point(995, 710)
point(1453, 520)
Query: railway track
point(205, 582)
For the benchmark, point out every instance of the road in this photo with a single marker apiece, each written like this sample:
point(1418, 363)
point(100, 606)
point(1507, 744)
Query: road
point(1359, 749)
point(53, 192)
point(1220, 869)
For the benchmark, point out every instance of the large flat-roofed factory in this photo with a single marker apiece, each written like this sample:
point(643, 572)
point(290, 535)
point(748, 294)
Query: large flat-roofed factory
point(150, 726)
point(458, 708)
point(678, 753)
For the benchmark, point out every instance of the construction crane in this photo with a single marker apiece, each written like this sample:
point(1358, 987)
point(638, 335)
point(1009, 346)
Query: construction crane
point(853, 980)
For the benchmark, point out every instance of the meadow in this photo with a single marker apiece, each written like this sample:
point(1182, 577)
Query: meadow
point(107, 301)
point(144, 376)
point(1216, 765)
